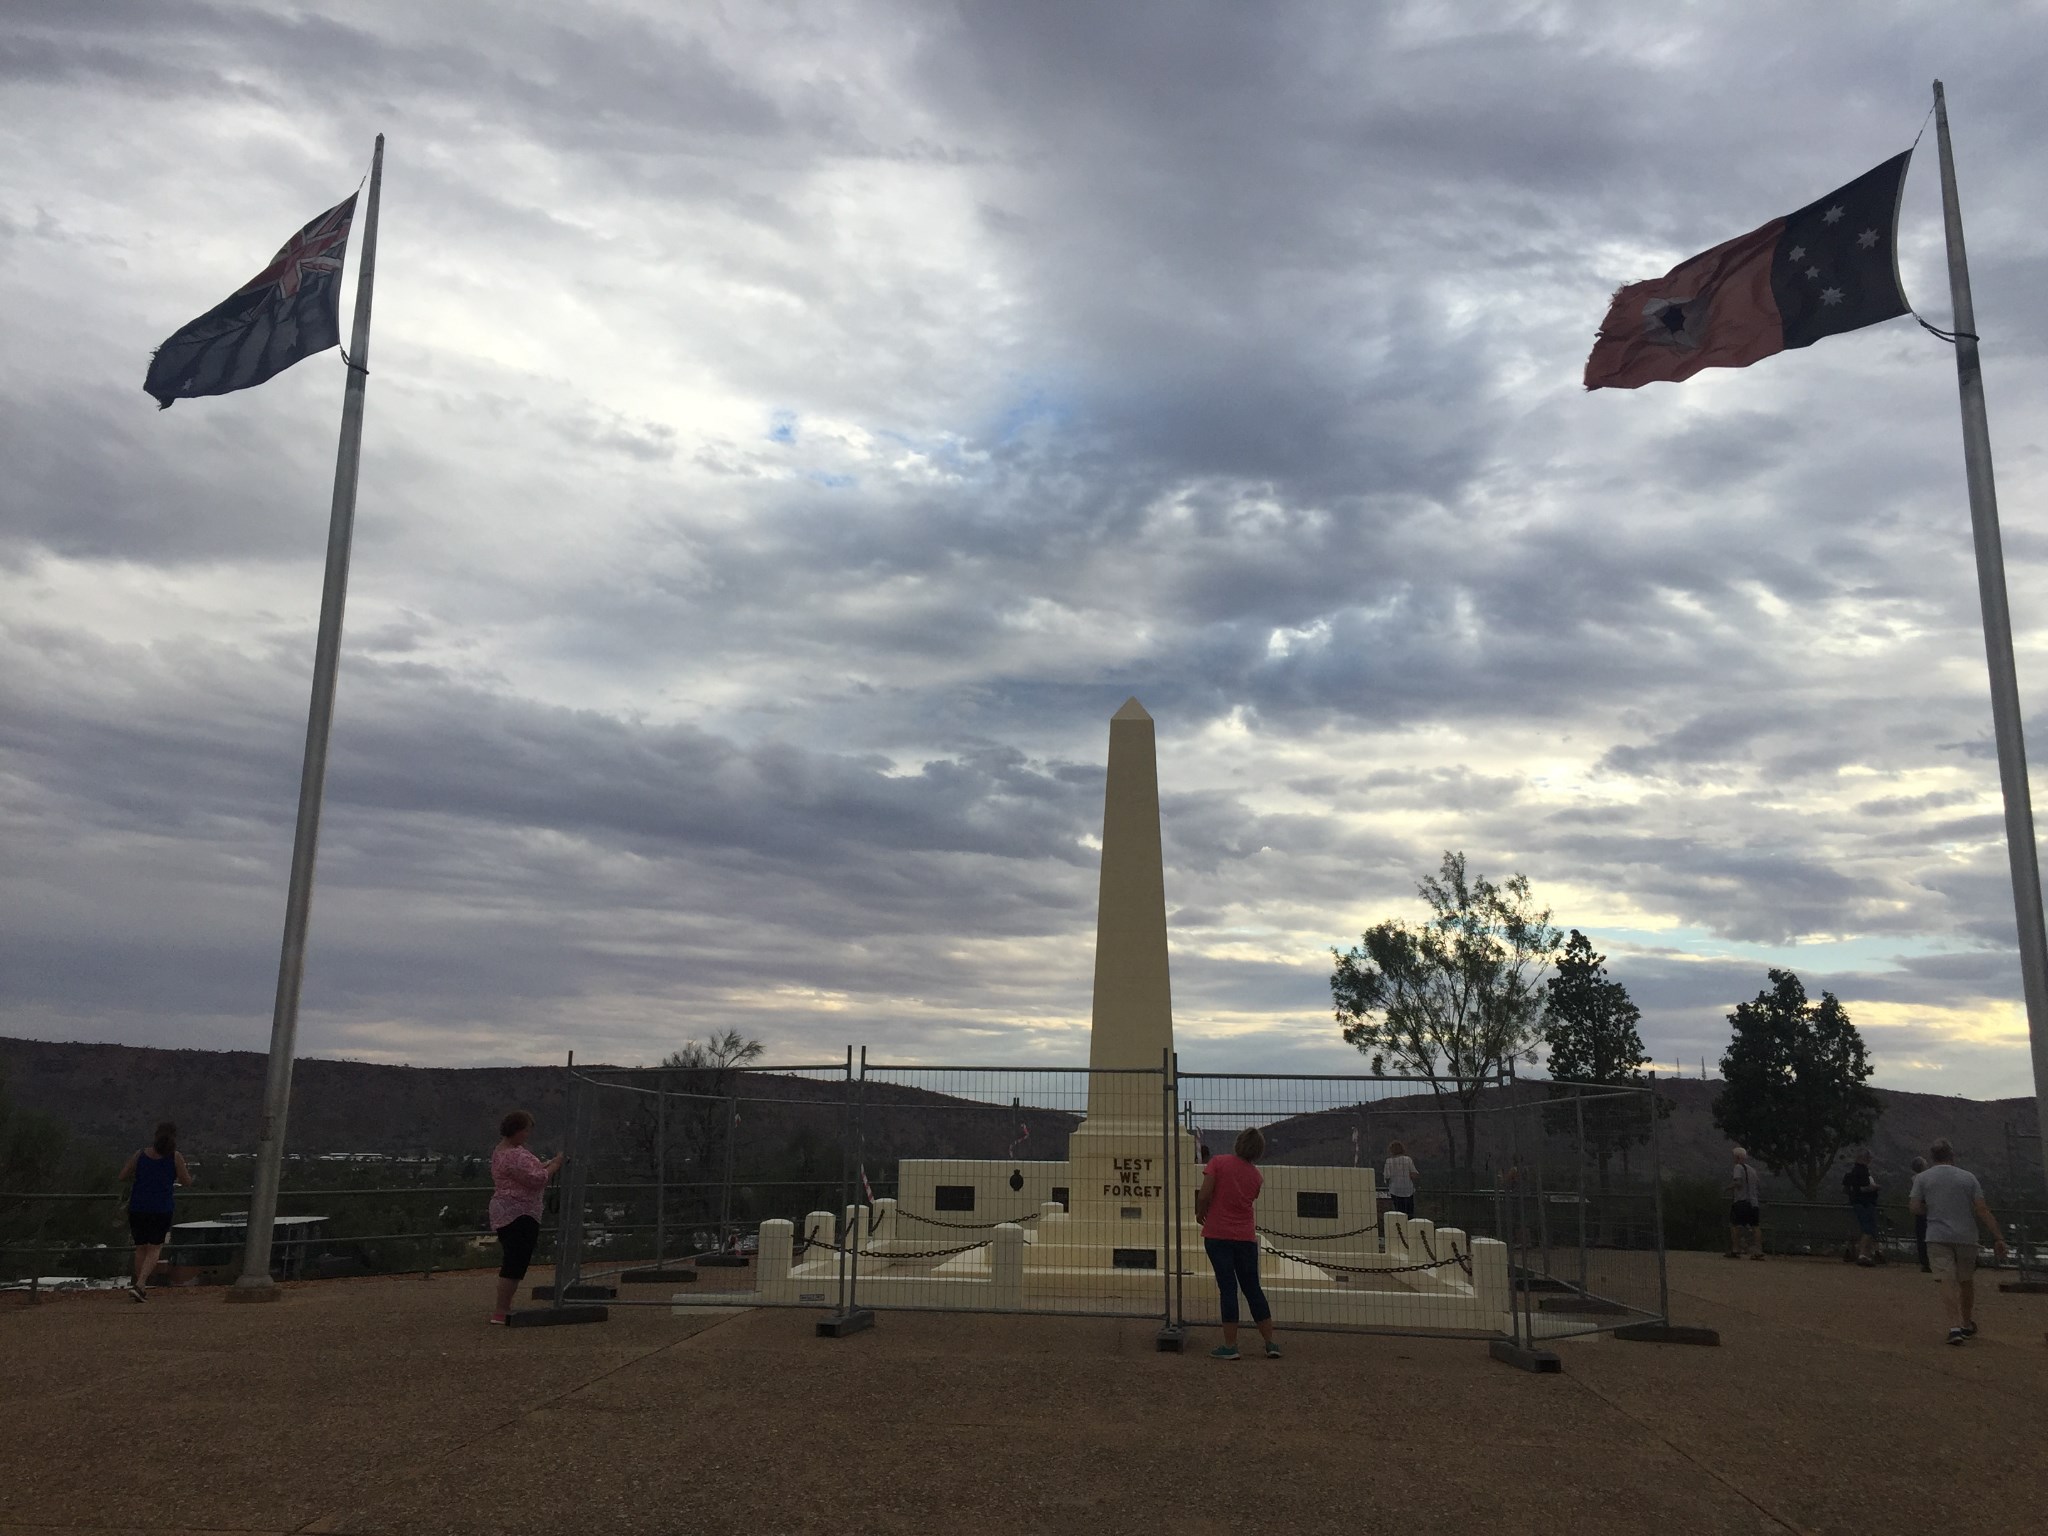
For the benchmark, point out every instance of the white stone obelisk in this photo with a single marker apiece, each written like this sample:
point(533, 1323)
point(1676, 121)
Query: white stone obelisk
point(1118, 1157)
point(1133, 1016)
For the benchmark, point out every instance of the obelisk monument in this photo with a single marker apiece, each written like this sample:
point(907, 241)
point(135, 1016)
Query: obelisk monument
point(1133, 1014)
point(1118, 1158)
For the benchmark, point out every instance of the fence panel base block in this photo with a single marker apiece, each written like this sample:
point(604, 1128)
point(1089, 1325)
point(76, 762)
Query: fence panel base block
point(555, 1317)
point(2025, 1287)
point(1171, 1340)
point(587, 1292)
point(1507, 1352)
point(840, 1324)
point(1667, 1333)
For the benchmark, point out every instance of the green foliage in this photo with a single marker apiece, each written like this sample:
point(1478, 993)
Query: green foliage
point(1589, 1029)
point(1456, 998)
point(38, 1156)
point(1795, 1076)
point(716, 1053)
point(695, 1123)
point(1695, 1213)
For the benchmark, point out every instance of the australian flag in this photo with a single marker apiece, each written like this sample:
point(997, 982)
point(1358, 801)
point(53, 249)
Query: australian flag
point(289, 310)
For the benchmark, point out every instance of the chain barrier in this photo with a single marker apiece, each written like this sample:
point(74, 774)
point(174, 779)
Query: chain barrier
point(1461, 1260)
point(1317, 1237)
point(965, 1226)
point(809, 1243)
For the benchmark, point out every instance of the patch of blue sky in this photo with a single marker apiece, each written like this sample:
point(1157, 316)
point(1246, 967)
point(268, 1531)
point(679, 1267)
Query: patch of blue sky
point(947, 449)
point(831, 482)
point(1871, 952)
point(1034, 407)
point(782, 427)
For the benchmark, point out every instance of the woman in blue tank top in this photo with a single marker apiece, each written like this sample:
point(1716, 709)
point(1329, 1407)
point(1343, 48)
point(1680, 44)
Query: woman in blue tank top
point(154, 1172)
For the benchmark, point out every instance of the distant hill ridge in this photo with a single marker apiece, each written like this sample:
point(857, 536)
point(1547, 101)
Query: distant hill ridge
point(110, 1096)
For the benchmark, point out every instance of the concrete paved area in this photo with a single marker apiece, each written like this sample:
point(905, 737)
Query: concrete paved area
point(389, 1405)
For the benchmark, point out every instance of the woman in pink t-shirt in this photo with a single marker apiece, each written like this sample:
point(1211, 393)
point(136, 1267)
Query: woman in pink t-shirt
point(1230, 1187)
point(519, 1183)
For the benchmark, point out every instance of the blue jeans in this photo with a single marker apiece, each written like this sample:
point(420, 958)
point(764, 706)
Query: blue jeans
point(1237, 1264)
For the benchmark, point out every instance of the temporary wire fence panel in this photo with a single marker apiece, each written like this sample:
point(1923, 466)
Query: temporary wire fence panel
point(1336, 1248)
point(685, 1167)
point(1017, 1190)
point(1585, 1192)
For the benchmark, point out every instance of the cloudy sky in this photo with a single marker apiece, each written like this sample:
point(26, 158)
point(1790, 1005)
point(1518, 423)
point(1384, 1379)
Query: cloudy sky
point(794, 430)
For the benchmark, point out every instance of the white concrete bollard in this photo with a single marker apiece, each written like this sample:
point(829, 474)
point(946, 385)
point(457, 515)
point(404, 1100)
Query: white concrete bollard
point(1394, 1236)
point(1006, 1266)
point(1450, 1243)
point(818, 1228)
point(1490, 1274)
point(1422, 1248)
point(771, 1264)
point(885, 1220)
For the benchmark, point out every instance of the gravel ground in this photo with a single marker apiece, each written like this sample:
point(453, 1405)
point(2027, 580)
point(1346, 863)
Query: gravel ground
point(388, 1405)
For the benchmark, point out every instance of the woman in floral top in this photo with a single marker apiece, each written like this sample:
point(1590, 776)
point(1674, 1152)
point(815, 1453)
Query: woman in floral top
point(519, 1182)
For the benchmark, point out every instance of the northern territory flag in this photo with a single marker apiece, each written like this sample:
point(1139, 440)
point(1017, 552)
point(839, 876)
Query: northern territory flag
point(289, 310)
point(1830, 267)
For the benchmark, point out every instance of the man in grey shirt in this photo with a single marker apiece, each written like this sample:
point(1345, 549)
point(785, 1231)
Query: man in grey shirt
point(1745, 1217)
point(1953, 1202)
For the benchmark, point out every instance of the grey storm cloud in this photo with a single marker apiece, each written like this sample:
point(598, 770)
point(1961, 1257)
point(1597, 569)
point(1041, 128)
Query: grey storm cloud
point(793, 432)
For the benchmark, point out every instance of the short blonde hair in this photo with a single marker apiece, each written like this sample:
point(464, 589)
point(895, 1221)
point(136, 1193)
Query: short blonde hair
point(1396, 1149)
point(1251, 1144)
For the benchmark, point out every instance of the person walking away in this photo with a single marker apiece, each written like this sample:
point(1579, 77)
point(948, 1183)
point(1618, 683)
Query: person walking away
point(1745, 1210)
point(1862, 1188)
point(1400, 1178)
point(1920, 1224)
point(519, 1183)
point(1230, 1187)
point(152, 1173)
point(1953, 1202)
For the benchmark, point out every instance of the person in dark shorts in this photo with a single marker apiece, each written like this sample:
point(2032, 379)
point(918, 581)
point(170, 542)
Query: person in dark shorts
point(519, 1183)
point(1230, 1186)
point(1745, 1210)
point(1861, 1186)
point(152, 1174)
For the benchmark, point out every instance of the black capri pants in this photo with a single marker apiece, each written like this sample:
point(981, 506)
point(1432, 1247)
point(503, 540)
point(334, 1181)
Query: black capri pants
point(1237, 1264)
point(518, 1237)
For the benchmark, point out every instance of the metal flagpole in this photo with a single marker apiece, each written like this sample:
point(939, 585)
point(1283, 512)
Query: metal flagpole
point(255, 1283)
point(2005, 689)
